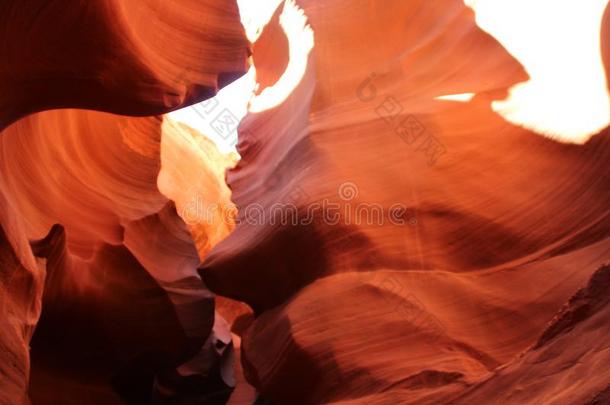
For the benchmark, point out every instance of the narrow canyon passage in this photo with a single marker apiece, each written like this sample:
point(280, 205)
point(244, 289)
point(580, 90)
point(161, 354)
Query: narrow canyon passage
point(304, 202)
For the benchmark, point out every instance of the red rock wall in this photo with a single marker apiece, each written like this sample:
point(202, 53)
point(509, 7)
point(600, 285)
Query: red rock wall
point(134, 58)
point(95, 173)
point(496, 226)
point(439, 255)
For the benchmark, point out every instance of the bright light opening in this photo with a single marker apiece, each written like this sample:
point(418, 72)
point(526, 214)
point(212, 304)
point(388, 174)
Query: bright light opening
point(218, 118)
point(558, 42)
point(459, 98)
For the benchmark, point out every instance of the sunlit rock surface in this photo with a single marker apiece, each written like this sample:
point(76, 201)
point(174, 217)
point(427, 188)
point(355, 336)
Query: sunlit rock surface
point(386, 235)
point(486, 228)
point(96, 174)
point(124, 261)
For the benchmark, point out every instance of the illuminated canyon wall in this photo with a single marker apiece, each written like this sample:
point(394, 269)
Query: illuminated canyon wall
point(395, 226)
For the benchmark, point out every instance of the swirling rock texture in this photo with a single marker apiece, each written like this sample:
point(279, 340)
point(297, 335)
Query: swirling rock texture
point(119, 322)
point(394, 247)
point(97, 176)
point(486, 228)
point(135, 58)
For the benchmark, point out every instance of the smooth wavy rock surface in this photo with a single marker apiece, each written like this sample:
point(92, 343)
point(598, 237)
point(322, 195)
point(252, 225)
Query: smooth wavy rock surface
point(133, 58)
point(96, 175)
point(573, 345)
point(123, 248)
point(21, 285)
point(393, 245)
point(486, 228)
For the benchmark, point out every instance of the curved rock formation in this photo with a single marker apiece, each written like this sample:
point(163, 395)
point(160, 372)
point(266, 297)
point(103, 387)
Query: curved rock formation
point(394, 245)
point(133, 58)
point(97, 174)
point(20, 292)
point(433, 241)
point(125, 244)
point(570, 345)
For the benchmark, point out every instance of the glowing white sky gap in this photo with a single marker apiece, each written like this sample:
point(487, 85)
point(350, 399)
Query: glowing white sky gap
point(300, 42)
point(558, 43)
point(460, 98)
point(239, 97)
point(255, 15)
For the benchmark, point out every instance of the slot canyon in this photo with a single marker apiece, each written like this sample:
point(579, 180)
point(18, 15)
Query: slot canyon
point(304, 202)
